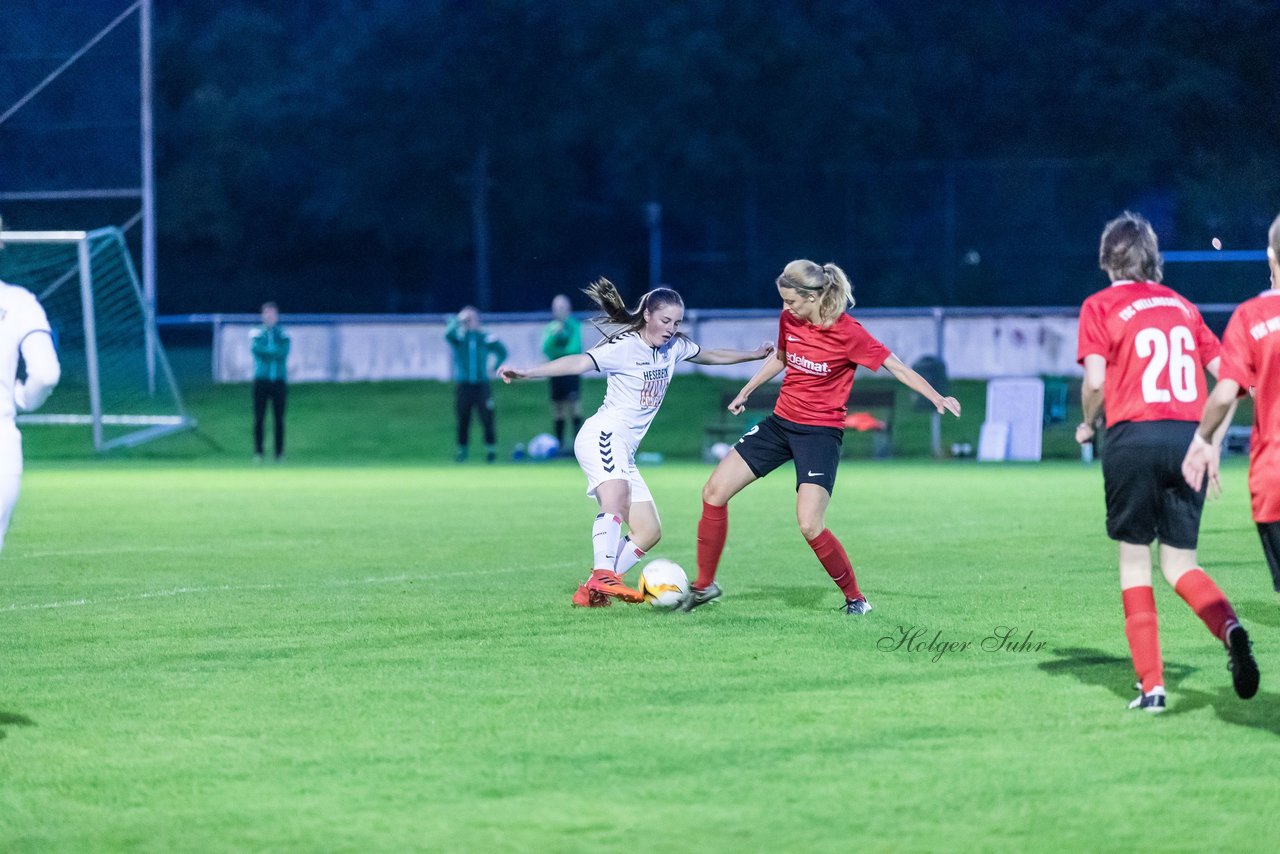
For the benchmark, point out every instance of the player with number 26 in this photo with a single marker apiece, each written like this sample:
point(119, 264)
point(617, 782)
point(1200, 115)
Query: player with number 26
point(1145, 349)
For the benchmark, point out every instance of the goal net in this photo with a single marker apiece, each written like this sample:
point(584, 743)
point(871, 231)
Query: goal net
point(116, 379)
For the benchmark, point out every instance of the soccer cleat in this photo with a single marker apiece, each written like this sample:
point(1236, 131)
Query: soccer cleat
point(584, 598)
point(1244, 670)
point(609, 583)
point(856, 606)
point(1149, 701)
point(699, 596)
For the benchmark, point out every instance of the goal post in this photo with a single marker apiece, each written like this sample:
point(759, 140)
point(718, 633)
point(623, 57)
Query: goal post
point(116, 378)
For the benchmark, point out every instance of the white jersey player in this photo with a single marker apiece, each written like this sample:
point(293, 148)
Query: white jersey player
point(638, 362)
point(25, 332)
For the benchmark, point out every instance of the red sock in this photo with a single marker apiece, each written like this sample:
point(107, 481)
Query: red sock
point(1143, 632)
point(1204, 597)
point(713, 527)
point(836, 563)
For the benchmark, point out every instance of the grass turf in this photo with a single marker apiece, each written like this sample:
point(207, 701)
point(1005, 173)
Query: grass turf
point(382, 657)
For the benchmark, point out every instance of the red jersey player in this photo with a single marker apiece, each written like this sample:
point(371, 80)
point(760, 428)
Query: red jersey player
point(1145, 348)
point(820, 346)
point(1250, 360)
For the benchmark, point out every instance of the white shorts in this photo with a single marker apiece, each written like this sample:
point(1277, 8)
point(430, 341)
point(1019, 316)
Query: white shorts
point(606, 450)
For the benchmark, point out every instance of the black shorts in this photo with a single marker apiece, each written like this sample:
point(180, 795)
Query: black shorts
point(565, 388)
point(816, 450)
point(1147, 497)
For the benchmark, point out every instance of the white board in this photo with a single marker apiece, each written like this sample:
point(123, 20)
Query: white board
point(1019, 402)
point(993, 442)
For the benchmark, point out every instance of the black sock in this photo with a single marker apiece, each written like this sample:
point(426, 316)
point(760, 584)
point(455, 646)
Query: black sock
point(1269, 532)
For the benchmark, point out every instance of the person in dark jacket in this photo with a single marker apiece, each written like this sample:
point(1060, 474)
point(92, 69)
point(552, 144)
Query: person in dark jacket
point(270, 344)
point(472, 348)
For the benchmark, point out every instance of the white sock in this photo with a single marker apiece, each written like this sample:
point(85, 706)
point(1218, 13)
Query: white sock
point(629, 554)
point(605, 534)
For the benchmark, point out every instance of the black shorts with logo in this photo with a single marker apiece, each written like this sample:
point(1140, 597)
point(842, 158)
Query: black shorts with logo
point(565, 388)
point(1147, 497)
point(816, 450)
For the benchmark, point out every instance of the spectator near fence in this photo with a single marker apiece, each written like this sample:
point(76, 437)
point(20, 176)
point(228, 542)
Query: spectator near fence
point(270, 345)
point(472, 348)
point(563, 337)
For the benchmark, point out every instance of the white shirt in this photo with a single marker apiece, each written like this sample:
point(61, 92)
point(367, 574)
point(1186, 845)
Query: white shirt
point(638, 376)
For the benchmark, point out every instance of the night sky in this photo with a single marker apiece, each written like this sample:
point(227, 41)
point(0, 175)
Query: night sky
point(415, 156)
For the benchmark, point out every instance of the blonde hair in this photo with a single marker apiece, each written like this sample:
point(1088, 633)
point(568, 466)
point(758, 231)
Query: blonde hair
point(826, 282)
point(605, 294)
point(1273, 239)
point(1129, 250)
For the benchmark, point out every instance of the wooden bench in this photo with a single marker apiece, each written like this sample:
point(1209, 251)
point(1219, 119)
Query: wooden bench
point(728, 428)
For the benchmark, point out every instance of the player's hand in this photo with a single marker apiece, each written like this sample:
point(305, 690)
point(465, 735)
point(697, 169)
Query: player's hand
point(508, 374)
point(763, 350)
point(1084, 433)
point(949, 404)
point(1201, 464)
point(738, 404)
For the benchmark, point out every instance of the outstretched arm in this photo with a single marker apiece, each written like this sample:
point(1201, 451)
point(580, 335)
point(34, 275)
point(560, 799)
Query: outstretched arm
point(565, 366)
point(770, 369)
point(724, 356)
point(920, 385)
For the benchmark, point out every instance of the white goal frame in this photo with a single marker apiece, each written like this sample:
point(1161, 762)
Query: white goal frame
point(150, 426)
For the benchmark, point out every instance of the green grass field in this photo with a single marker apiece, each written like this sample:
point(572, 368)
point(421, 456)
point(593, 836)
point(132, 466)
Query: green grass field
point(367, 651)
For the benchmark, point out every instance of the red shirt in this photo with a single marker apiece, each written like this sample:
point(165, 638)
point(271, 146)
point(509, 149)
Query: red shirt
point(1251, 357)
point(820, 365)
point(1156, 346)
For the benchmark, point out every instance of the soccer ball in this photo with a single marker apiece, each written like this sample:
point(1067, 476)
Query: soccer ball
point(663, 583)
point(720, 449)
point(543, 447)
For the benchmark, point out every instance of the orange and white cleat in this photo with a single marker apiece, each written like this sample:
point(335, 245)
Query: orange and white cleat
point(610, 584)
point(584, 598)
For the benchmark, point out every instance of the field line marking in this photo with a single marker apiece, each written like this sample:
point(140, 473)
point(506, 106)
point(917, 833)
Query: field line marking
point(235, 588)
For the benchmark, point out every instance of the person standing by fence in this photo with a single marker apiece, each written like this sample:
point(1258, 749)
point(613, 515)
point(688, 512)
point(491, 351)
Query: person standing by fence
point(472, 347)
point(563, 337)
point(270, 345)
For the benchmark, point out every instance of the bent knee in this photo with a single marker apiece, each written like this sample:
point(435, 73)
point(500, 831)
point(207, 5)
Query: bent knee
point(715, 494)
point(812, 530)
point(646, 538)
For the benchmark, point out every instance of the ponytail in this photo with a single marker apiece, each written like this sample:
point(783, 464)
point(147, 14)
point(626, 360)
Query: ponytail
point(826, 282)
point(605, 294)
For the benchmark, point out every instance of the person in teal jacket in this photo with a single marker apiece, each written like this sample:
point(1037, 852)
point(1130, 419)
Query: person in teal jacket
point(472, 349)
point(270, 344)
point(563, 337)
